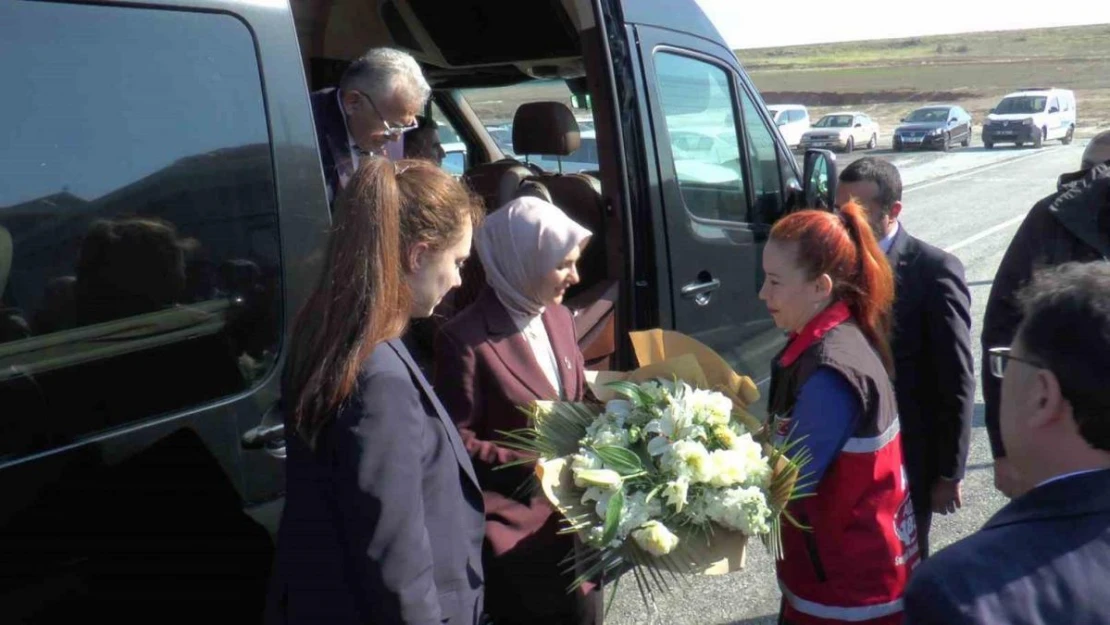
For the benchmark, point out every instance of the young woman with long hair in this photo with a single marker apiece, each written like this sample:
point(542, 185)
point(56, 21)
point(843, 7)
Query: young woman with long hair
point(829, 286)
point(383, 514)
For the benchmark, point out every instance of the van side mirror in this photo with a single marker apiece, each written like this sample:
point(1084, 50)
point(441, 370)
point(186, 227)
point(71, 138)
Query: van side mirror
point(454, 162)
point(990, 111)
point(820, 174)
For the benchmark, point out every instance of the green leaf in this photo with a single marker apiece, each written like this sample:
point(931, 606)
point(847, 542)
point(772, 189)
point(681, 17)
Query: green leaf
point(621, 460)
point(613, 517)
point(655, 491)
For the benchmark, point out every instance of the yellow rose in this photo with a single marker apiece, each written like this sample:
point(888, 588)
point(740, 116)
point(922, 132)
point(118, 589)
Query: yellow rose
point(654, 538)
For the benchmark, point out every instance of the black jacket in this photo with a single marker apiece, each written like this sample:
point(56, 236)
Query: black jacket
point(1072, 224)
point(383, 521)
point(933, 364)
point(1040, 560)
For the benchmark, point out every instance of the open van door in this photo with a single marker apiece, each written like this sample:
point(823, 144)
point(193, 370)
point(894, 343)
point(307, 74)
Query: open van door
point(719, 176)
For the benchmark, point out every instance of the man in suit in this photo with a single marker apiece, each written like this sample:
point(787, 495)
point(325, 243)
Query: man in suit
point(1072, 224)
point(378, 99)
point(1043, 557)
point(934, 377)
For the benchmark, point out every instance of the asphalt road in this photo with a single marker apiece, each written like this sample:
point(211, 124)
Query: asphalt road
point(969, 202)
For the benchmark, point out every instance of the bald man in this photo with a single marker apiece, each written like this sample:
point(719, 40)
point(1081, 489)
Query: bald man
point(1072, 224)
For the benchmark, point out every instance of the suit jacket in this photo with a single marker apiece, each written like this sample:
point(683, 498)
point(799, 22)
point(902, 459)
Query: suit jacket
point(383, 520)
point(1044, 559)
point(934, 370)
point(333, 140)
point(484, 372)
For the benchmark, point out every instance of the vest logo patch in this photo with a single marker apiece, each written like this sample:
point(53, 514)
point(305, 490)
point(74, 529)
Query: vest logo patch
point(905, 528)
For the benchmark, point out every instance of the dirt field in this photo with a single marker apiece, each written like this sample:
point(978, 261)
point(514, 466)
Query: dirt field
point(888, 78)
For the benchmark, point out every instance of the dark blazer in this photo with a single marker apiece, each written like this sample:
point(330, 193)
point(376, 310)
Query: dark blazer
point(1044, 559)
point(333, 140)
point(383, 521)
point(934, 370)
point(484, 371)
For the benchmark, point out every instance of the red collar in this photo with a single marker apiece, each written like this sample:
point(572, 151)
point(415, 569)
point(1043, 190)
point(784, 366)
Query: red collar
point(836, 314)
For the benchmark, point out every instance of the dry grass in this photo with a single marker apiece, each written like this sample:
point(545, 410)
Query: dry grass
point(889, 78)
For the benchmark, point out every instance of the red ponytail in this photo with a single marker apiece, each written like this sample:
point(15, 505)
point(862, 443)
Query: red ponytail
point(842, 245)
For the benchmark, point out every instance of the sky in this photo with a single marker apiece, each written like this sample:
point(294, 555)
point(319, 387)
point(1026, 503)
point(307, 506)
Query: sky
point(764, 24)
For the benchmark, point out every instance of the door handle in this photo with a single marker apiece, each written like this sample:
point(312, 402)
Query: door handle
point(268, 435)
point(261, 435)
point(702, 290)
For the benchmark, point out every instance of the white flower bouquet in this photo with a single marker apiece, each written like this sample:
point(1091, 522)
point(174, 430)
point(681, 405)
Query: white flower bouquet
point(668, 475)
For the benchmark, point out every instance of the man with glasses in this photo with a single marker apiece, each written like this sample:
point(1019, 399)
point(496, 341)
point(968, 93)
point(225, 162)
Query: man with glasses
point(1045, 556)
point(378, 99)
point(1072, 224)
point(934, 372)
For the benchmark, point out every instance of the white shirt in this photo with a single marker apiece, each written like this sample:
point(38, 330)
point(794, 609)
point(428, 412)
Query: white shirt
point(1067, 475)
point(535, 333)
point(886, 242)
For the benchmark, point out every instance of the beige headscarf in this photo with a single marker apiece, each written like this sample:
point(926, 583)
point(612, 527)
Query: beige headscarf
point(519, 244)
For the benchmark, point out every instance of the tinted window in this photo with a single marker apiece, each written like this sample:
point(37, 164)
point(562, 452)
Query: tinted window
point(697, 101)
point(763, 157)
point(138, 198)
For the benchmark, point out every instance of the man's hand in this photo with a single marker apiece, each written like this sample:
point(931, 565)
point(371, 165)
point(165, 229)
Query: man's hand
point(1006, 478)
point(946, 496)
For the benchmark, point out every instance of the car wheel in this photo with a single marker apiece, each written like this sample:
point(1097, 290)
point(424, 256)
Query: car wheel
point(873, 142)
point(1038, 140)
point(947, 144)
point(1069, 136)
point(850, 146)
point(967, 140)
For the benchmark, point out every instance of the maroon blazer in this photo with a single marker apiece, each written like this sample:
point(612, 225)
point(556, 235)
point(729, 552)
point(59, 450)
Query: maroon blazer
point(484, 372)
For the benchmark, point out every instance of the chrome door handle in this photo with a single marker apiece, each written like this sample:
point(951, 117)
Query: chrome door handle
point(701, 291)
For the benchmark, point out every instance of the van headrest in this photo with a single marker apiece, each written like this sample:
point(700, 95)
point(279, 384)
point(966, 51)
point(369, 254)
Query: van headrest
point(545, 128)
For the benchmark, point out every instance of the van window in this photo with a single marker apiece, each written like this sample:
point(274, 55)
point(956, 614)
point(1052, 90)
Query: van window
point(496, 107)
point(697, 102)
point(139, 215)
point(763, 154)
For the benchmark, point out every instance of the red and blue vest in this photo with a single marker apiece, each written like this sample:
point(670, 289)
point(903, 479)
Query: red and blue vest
point(855, 561)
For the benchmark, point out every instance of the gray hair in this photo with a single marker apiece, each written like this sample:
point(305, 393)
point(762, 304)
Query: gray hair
point(381, 72)
point(1098, 151)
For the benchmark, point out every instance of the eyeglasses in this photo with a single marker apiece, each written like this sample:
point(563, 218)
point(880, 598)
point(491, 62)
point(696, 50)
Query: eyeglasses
point(997, 357)
point(391, 129)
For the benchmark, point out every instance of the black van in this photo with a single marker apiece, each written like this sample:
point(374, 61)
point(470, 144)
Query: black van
point(163, 214)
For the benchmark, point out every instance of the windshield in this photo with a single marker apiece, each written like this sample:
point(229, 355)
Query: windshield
point(496, 106)
point(928, 115)
point(835, 121)
point(1021, 104)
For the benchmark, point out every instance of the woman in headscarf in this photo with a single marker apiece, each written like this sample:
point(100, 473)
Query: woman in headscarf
point(516, 344)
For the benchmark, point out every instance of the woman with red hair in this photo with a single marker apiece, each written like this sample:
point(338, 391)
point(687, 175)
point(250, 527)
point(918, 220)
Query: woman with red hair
point(829, 286)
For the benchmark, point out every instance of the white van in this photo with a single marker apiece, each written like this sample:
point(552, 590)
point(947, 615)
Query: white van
point(792, 121)
point(1033, 115)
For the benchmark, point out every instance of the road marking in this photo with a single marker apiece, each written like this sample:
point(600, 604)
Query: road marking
point(975, 170)
point(984, 234)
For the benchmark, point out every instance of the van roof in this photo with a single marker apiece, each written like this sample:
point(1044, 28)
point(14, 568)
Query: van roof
point(783, 107)
point(1038, 91)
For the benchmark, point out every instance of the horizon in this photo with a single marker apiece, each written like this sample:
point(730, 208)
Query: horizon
point(733, 20)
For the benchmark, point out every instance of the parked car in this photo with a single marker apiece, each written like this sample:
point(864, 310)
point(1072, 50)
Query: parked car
point(792, 121)
point(844, 131)
point(141, 454)
point(1033, 115)
point(938, 126)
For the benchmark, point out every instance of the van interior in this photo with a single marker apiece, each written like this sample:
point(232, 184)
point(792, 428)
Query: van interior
point(516, 69)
